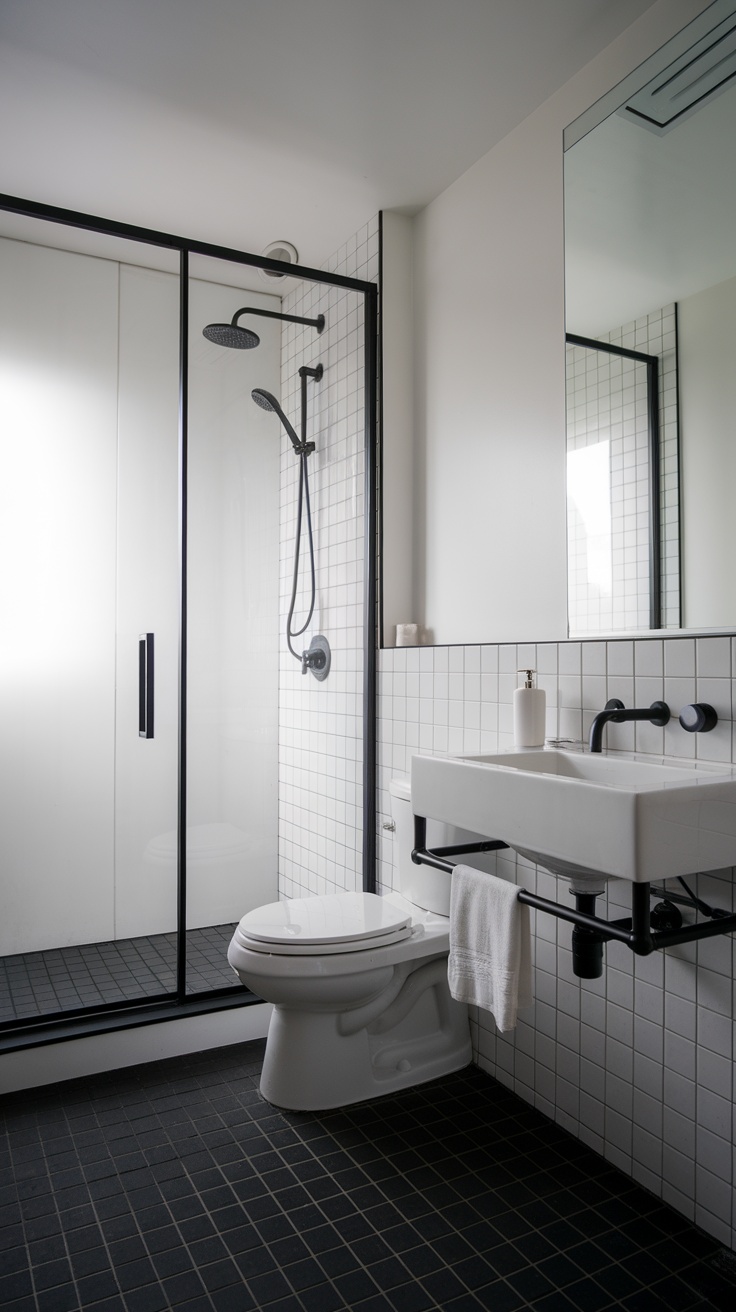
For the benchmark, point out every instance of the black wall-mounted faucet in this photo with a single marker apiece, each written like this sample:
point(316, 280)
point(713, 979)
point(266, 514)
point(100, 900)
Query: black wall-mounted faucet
point(658, 713)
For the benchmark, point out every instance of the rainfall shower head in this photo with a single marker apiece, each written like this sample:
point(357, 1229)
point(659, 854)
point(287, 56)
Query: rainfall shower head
point(242, 339)
point(268, 402)
point(231, 334)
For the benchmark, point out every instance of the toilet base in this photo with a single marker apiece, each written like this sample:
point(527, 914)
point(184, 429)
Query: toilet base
point(317, 1060)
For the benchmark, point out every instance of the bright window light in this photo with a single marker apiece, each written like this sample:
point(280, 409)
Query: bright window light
point(589, 502)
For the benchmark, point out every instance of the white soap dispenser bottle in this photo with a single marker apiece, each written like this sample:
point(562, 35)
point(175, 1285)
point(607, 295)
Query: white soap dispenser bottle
point(529, 712)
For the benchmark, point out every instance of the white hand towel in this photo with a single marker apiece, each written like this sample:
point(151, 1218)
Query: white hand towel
point(490, 945)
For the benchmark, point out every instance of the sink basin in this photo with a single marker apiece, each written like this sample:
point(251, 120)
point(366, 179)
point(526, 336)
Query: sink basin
point(619, 815)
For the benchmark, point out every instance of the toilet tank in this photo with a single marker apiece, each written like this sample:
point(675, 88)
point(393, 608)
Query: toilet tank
point(422, 885)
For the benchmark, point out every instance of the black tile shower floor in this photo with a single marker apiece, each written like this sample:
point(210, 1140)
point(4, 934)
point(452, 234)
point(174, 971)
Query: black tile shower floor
point(174, 1185)
point(60, 979)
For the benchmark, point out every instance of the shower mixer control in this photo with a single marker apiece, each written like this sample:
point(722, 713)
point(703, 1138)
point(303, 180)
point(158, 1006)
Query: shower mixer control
point(317, 658)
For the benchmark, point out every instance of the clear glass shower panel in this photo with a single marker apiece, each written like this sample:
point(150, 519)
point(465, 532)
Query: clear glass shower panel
point(88, 563)
point(232, 619)
point(321, 733)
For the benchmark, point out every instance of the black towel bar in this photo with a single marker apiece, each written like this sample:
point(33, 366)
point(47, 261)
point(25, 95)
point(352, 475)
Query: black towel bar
point(591, 931)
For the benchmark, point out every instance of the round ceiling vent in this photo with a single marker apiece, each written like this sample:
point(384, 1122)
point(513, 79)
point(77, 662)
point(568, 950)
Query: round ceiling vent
point(279, 250)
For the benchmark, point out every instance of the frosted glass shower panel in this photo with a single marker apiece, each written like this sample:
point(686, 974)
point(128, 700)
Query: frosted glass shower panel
point(88, 540)
point(58, 426)
point(232, 617)
point(147, 600)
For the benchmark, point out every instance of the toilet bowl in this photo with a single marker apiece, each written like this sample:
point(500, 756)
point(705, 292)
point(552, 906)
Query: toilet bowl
point(361, 1004)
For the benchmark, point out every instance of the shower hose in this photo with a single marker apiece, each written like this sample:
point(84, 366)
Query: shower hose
point(303, 502)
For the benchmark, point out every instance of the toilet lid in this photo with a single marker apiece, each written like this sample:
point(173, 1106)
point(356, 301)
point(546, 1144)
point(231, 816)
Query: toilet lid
point(336, 922)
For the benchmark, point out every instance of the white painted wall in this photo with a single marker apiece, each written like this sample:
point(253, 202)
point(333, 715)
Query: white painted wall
point(398, 585)
point(490, 368)
point(707, 332)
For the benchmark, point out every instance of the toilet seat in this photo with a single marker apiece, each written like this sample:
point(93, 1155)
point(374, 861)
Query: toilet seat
point(314, 926)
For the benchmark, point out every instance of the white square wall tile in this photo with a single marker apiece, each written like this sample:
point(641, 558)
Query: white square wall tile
point(620, 659)
point(714, 1030)
point(648, 659)
point(594, 692)
point(713, 658)
point(526, 656)
point(679, 658)
point(594, 658)
point(570, 658)
point(547, 656)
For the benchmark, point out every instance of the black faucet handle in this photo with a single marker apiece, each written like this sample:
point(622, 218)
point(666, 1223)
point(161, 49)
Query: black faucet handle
point(698, 718)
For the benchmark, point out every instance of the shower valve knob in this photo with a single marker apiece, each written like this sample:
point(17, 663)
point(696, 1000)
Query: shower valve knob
point(317, 658)
point(313, 660)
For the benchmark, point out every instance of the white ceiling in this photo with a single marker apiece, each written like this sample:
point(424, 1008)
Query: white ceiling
point(244, 121)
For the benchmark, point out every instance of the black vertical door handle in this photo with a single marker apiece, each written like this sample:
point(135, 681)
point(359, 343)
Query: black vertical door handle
point(145, 685)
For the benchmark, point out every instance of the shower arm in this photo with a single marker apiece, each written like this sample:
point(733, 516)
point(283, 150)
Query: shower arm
point(317, 323)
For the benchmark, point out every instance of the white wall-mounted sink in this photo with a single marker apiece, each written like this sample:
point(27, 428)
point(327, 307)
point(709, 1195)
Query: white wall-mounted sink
point(620, 815)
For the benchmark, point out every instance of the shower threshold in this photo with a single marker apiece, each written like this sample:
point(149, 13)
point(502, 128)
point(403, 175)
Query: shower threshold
point(34, 984)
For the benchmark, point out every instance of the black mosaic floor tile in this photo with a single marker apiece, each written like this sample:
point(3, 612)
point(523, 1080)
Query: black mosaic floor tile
point(62, 979)
point(175, 1185)
point(589, 1296)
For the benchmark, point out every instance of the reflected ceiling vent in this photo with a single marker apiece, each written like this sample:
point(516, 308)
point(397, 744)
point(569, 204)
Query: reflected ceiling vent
point(279, 250)
point(697, 77)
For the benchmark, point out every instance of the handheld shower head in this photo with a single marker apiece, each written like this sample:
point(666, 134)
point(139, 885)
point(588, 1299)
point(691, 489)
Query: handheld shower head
point(268, 402)
point(231, 334)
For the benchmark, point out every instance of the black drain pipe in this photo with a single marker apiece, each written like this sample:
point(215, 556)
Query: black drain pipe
point(587, 944)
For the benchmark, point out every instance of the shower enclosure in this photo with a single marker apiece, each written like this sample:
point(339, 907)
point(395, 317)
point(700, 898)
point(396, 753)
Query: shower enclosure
point(147, 710)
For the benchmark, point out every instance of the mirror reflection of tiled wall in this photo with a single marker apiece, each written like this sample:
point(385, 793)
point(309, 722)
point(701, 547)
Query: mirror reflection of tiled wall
point(608, 480)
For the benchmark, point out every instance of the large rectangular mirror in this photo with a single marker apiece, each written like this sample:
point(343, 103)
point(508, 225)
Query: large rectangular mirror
point(650, 275)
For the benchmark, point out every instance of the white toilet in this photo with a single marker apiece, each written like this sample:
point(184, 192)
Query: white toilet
point(359, 985)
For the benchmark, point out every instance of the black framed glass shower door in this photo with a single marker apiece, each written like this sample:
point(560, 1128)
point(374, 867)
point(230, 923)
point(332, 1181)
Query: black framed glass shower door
point(106, 870)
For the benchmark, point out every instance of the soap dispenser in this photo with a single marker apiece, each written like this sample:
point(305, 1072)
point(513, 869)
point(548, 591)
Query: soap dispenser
point(529, 712)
